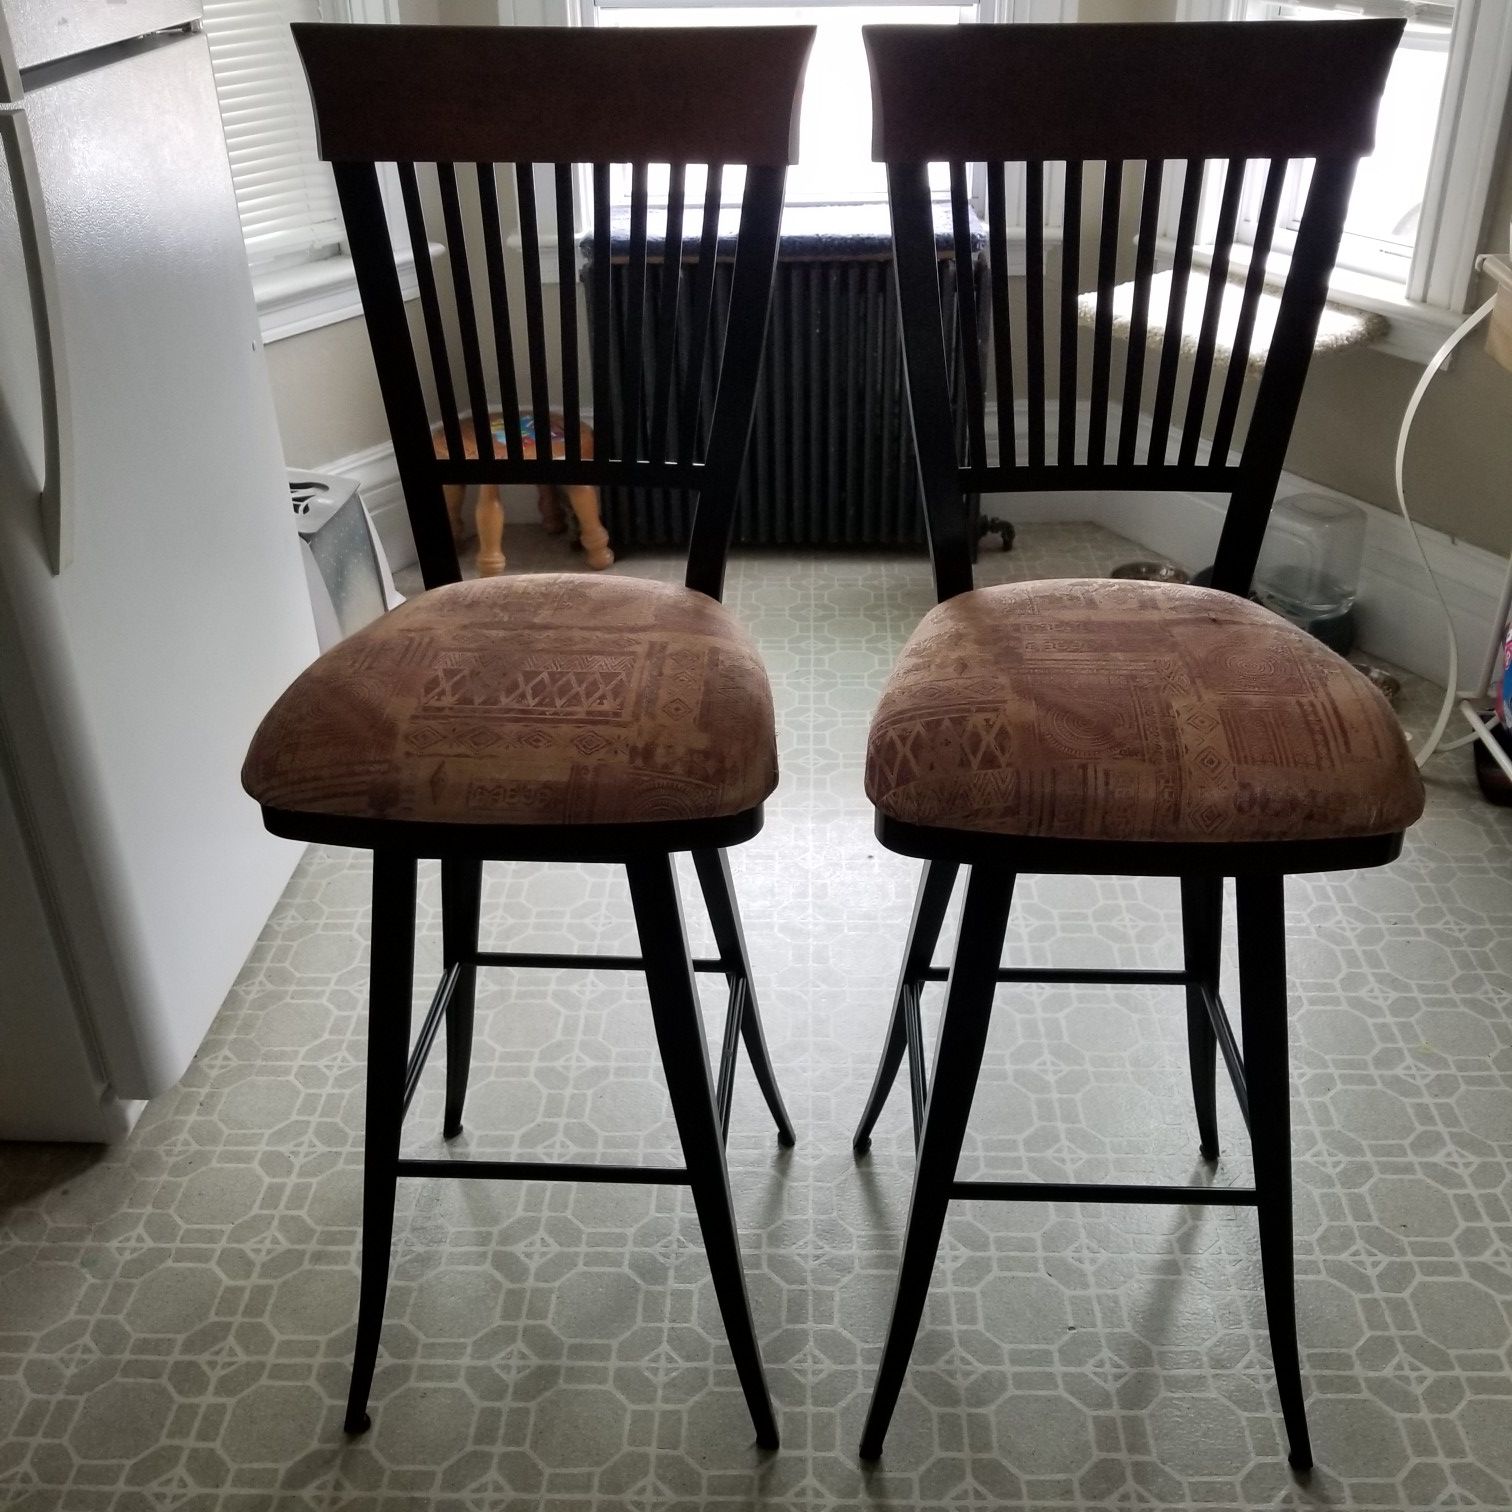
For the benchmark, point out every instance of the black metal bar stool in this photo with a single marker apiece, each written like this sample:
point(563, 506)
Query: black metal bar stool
point(552, 717)
point(1102, 727)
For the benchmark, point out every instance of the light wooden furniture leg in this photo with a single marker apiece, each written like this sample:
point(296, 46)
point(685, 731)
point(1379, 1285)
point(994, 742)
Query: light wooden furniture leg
point(553, 517)
point(490, 522)
point(585, 505)
point(455, 493)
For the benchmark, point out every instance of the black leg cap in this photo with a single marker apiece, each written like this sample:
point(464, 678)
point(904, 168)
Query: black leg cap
point(1208, 1152)
point(358, 1424)
point(450, 1131)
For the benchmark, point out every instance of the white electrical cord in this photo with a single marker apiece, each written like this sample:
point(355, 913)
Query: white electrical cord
point(1452, 693)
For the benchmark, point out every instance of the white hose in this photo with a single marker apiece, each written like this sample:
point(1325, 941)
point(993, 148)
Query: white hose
point(1451, 688)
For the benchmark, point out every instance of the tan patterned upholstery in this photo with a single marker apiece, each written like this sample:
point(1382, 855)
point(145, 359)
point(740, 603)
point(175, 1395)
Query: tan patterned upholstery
point(1090, 709)
point(550, 699)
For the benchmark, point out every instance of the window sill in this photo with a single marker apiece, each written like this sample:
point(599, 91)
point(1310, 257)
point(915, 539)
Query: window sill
point(295, 300)
point(1415, 331)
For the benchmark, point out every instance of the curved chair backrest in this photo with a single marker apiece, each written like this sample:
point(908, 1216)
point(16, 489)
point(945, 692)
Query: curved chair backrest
point(1207, 119)
point(459, 110)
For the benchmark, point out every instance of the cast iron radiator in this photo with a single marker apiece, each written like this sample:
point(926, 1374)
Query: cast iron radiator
point(831, 461)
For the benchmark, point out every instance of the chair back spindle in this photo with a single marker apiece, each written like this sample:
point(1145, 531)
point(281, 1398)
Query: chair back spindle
point(1106, 134)
point(485, 386)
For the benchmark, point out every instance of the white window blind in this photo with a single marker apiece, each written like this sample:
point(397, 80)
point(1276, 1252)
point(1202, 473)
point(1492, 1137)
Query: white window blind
point(284, 193)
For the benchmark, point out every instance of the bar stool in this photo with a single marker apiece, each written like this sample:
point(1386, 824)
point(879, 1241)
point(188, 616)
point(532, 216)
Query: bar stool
point(552, 717)
point(1127, 728)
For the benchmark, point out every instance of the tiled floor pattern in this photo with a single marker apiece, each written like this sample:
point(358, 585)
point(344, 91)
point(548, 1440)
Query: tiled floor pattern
point(176, 1314)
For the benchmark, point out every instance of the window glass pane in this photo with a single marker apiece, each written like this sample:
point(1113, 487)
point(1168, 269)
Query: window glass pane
point(834, 160)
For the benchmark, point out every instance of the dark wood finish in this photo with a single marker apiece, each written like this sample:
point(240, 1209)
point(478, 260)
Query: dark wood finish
point(1070, 286)
point(958, 1059)
point(393, 966)
point(936, 883)
point(713, 868)
point(1111, 94)
point(680, 1036)
point(1202, 945)
point(496, 98)
point(1261, 909)
point(461, 898)
point(1137, 858)
point(1139, 313)
point(1222, 89)
point(1002, 327)
point(555, 94)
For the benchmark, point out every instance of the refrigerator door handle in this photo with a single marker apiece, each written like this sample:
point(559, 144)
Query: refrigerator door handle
point(56, 499)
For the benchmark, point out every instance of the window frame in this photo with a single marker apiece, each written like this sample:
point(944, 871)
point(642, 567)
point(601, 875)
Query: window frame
point(303, 295)
point(585, 13)
point(1467, 136)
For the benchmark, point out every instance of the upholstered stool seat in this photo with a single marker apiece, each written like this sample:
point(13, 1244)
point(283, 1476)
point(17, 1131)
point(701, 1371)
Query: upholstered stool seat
point(550, 699)
point(1098, 710)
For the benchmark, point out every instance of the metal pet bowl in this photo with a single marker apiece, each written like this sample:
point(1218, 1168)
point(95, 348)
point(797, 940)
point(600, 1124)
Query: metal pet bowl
point(1151, 572)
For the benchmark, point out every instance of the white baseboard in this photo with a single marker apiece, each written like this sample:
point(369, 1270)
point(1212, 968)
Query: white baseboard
point(1399, 617)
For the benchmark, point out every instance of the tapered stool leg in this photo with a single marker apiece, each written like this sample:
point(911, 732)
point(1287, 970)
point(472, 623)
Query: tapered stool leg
point(1262, 1006)
point(685, 1058)
point(935, 885)
point(714, 879)
point(958, 1060)
point(391, 978)
point(461, 893)
point(1202, 948)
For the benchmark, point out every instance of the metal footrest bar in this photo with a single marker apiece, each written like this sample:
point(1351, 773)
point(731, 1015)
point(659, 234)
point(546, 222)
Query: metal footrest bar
point(724, 1088)
point(1049, 975)
point(427, 1036)
point(1090, 1191)
point(1219, 1019)
point(546, 1170)
point(550, 959)
point(918, 1087)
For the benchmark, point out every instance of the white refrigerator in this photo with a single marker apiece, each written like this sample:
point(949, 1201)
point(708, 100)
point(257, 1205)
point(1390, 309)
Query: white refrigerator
point(152, 597)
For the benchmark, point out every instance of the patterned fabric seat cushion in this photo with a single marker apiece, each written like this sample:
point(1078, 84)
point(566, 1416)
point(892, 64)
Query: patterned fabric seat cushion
point(549, 699)
point(1095, 710)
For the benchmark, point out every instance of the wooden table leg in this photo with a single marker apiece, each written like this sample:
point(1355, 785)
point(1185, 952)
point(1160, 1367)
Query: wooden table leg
point(490, 522)
point(585, 505)
point(454, 494)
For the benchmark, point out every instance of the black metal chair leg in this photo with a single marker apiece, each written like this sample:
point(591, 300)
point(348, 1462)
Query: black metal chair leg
point(1202, 948)
point(391, 978)
point(714, 879)
point(1262, 1006)
point(936, 882)
point(958, 1059)
point(685, 1058)
point(461, 895)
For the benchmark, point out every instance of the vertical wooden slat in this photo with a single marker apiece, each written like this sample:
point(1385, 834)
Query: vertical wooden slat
point(567, 314)
point(1244, 331)
point(498, 302)
point(1065, 419)
point(605, 430)
point(1170, 346)
point(634, 355)
point(1212, 311)
point(398, 372)
point(535, 319)
point(966, 315)
point(666, 334)
point(430, 309)
point(467, 319)
point(703, 306)
point(1002, 335)
point(1034, 313)
point(1139, 314)
point(1102, 326)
